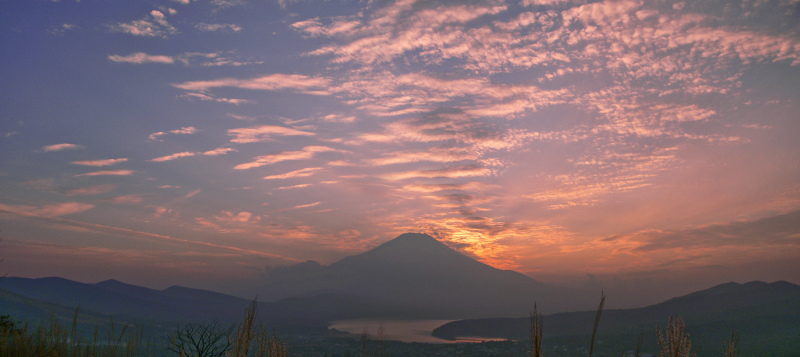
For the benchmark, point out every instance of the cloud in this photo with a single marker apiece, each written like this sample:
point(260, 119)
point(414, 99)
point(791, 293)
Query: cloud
point(263, 133)
point(50, 210)
point(61, 223)
point(183, 130)
point(433, 155)
point(273, 82)
point(602, 13)
point(779, 230)
point(173, 156)
point(61, 147)
point(63, 29)
point(218, 27)
point(206, 97)
point(307, 205)
point(308, 152)
point(93, 190)
point(310, 171)
point(99, 163)
point(109, 173)
point(153, 25)
point(294, 186)
point(41, 184)
point(395, 30)
point(453, 172)
point(141, 57)
point(219, 151)
point(337, 118)
point(127, 199)
point(227, 3)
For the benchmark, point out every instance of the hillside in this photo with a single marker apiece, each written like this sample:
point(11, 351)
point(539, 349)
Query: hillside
point(766, 315)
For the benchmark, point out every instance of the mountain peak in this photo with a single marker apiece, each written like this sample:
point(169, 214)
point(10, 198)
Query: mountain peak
point(412, 244)
point(416, 239)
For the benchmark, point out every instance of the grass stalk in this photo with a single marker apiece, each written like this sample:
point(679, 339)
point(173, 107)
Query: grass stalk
point(597, 321)
point(732, 347)
point(245, 332)
point(536, 332)
point(675, 342)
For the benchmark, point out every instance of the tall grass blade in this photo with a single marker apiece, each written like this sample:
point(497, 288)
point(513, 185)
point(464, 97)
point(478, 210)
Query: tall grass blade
point(732, 347)
point(675, 342)
point(597, 321)
point(536, 332)
point(245, 333)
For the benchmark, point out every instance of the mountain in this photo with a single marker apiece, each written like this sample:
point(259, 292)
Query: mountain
point(762, 313)
point(415, 276)
point(36, 299)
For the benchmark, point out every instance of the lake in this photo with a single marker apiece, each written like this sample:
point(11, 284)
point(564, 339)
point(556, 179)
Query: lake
point(400, 330)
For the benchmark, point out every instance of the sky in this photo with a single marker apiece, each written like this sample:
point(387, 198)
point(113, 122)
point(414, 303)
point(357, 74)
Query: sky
point(646, 146)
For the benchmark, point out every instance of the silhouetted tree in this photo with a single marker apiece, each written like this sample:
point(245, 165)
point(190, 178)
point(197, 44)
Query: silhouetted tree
point(200, 340)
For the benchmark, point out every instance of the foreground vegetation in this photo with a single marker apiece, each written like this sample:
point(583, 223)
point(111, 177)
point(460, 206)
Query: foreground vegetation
point(251, 339)
point(192, 340)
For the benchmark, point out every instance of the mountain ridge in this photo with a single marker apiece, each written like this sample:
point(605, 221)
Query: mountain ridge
point(729, 301)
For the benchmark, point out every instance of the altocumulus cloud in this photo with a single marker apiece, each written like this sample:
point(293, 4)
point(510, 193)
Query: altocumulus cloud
point(140, 58)
point(98, 163)
point(61, 147)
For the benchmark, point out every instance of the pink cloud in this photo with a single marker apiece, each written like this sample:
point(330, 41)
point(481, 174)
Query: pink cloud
point(274, 82)
point(93, 190)
point(432, 154)
point(154, 25)
point(173, 156)
point(305, 154)
point(455, 172)
point(183, 130)
point(100, 163)
point(51, 210)
point(263, 133)
point(109, 173)
point(308, 205)
point(605, 12)
point(219, 151)
point(127, 199)
point(310, 171)
point(60, 147)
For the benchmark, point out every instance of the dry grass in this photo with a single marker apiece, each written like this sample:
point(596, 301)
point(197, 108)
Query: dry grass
point(675, 342)
point(54, 339)
point(536, 333)
point(732, 347)
point(597, 321)
point(246, 334)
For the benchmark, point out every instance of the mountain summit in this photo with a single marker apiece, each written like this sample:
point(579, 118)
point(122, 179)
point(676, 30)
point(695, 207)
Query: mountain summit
point(410, 249)
point(414, 275)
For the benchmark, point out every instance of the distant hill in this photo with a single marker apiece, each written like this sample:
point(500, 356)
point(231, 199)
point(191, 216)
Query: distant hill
point(36, 300)
point(416, 276)
point(766, 315)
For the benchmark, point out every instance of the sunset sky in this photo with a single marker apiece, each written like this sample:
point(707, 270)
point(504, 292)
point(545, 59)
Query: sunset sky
point(203, 142)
